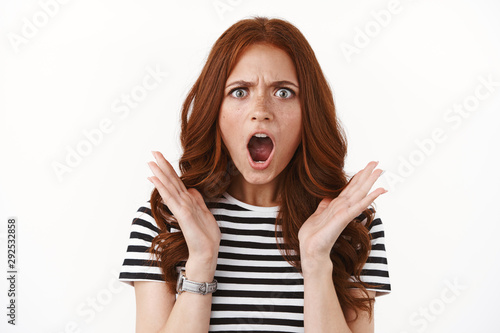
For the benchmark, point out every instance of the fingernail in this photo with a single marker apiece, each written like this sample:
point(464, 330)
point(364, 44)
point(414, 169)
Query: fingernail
point(382, 172)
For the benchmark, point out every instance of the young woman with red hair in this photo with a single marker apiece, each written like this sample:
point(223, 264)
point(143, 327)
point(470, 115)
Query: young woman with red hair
point(263, 231)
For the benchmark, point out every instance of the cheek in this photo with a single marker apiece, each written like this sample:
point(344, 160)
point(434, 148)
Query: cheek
point(229, 132)
point(223, 129)
point(226, 116)
point(224, 120)
point(298, 129)
point(293, 128)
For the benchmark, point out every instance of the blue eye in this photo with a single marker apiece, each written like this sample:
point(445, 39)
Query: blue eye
point(284, 93)
point(238, 92)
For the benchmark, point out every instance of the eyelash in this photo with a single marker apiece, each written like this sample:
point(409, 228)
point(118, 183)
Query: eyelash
point(292, 93)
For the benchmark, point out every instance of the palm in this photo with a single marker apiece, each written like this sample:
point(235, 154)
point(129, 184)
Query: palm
point(199, 227)
point(318, 234)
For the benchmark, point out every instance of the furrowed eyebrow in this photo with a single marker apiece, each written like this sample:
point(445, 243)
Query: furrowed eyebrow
point(284, 83)
point(242, 83)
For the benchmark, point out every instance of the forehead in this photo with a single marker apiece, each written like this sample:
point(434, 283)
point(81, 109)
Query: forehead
point(266, 61)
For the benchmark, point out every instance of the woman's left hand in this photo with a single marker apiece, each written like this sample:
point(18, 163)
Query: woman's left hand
point(318, 234)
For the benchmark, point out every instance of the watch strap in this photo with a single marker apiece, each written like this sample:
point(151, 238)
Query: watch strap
point(202, 288)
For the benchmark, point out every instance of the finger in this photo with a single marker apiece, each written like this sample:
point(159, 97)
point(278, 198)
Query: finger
point(323, 205)
point(359, 179)
point(371, 179)
point(365, 172)
point(197, 197)
point(362, 189)
point(176, 203)
point(168, 199)
point(171, 201)
point(165, 181)
point(167, 174)
point(363, 204)
point(368, 170)
point(169, 171)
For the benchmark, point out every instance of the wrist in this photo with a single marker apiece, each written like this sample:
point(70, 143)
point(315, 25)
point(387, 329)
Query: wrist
point(315, 265)
point(201, 270)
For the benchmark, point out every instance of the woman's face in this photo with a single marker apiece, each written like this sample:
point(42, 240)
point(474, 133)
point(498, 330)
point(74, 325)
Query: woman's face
point(260, 117)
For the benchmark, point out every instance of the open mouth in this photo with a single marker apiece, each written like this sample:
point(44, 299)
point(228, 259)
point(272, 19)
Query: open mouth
point(260, 147)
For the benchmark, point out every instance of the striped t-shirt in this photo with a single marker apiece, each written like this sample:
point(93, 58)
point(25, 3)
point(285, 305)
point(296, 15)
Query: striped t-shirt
point(257, 290)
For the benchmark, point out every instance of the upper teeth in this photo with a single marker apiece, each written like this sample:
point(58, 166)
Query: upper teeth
point(260, 135)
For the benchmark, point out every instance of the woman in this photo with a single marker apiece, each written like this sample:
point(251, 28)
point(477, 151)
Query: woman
point(263, 220)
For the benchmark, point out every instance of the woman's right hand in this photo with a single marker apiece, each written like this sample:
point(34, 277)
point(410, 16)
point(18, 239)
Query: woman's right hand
point(198, 225)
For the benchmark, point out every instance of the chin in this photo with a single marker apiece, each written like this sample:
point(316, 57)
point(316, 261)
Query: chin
point(258, 178)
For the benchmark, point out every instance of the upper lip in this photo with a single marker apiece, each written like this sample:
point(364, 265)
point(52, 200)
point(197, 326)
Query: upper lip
point(263, 131)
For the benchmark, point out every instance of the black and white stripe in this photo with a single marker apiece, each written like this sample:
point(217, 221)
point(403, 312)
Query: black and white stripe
point(258, 290)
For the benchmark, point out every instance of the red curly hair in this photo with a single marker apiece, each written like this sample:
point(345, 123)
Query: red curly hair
point(314, 172)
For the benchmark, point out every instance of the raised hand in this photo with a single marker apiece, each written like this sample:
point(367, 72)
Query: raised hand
point(318, 234)
point(198, 225)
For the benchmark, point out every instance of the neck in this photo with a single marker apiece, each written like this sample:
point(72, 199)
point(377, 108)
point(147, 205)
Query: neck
point(263, 195)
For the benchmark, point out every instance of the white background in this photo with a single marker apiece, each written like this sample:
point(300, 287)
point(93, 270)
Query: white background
point(69, 73)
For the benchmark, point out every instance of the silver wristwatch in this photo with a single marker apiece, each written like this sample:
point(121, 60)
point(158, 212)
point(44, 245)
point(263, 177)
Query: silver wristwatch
point(201, 288)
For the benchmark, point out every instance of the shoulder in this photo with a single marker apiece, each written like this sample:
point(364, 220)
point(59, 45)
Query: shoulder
point(377, 232)
point(375, 226)
point(144, 221)
point(376, 269)
point(138, 263)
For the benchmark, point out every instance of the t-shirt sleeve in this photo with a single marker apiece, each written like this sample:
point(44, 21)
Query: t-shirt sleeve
point(139, 264)
point(376, 271)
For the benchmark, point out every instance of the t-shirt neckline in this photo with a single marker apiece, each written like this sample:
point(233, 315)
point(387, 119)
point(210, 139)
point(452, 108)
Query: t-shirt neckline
point(237, 202)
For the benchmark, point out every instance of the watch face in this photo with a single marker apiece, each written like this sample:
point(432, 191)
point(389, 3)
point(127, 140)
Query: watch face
point(180, 279)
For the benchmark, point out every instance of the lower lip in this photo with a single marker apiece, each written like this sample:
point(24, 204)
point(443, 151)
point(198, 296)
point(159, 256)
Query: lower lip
point(260, 166)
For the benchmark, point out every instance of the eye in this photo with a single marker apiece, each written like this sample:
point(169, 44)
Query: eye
point(284, 93)
point(238, 92)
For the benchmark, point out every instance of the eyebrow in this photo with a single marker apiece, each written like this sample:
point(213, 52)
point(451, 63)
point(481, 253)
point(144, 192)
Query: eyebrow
point(243, 83)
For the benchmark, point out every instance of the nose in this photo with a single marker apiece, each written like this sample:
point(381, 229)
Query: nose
point(261, 109)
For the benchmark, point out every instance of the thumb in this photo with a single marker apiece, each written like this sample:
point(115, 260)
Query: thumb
point(323, 205)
